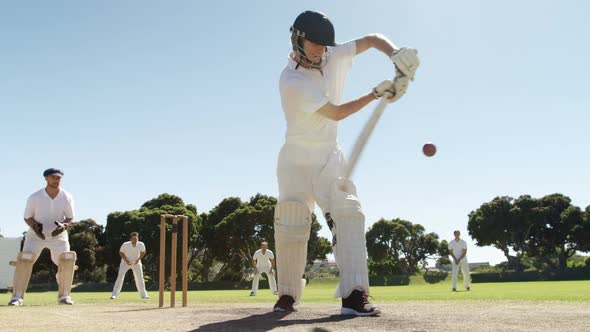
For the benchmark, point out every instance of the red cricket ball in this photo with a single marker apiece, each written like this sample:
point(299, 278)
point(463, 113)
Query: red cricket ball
point(429, 149)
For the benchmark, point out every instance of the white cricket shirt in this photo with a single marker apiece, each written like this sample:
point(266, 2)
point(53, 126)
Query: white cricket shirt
point(304, 91)
point(457, 247)
point(263, 260)
point(46, 210)
point(132, 252)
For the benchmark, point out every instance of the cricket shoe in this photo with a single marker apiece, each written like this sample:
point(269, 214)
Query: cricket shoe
point(15, 302)
point(284, 304)
point(252, 294)
point(357, 304)
point(66, 300)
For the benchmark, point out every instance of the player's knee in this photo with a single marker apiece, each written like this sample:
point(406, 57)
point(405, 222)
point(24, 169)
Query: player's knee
point(292, 221)
point(24, 264)
point(344, 201)
point(345, 218)
point(25, 257)
point(67, 257)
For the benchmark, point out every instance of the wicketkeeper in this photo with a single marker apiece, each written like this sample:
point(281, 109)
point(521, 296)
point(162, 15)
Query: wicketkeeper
point(49, 212)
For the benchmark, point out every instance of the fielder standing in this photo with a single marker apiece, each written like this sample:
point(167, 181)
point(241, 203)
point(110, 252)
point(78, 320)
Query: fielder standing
point(311, 164)
point(458, 251)
point(264, 262)
point(131, 253)
point(49, 212)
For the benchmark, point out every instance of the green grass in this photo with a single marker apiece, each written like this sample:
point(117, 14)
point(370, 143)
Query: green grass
point(321, 291)
point(419, 290)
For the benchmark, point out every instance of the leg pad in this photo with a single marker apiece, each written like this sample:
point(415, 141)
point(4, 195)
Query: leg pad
point(65, 272)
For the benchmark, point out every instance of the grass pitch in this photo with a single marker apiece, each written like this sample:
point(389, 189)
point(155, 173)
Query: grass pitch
point(322, 291)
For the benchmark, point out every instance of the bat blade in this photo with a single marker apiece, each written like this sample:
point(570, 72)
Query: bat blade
point(363, 138)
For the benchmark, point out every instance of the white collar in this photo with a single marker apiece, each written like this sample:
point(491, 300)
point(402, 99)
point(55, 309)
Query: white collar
point(56, 196)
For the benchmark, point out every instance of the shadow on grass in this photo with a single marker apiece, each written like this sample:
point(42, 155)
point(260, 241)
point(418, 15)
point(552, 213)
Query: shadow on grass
point(268, 321)
point(146, 309)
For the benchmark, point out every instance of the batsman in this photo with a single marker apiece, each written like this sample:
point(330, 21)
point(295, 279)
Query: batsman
point(311, 165)
point(49, 212)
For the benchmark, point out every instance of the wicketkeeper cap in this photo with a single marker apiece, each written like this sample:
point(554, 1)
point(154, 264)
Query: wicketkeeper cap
point(53, 171)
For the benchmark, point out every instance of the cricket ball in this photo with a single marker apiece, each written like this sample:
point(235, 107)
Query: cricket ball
point(429, 149)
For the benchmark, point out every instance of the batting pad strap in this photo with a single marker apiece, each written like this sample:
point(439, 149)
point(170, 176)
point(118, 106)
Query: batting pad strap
point(292, 233)
point(292, 222)
point(292, 213)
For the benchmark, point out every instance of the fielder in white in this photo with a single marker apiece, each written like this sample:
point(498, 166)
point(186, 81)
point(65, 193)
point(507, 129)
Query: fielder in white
point(49, 212)
point(131, 253)
point(311, 163)
point(264, 262)
point(458, 251)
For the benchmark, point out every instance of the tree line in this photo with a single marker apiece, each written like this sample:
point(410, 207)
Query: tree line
point(546, 231)
point(221, 242)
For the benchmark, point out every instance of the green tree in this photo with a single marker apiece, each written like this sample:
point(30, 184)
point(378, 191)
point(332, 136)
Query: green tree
point(210, 244)
point(234, 233)
point(399, 247)
point(443, 253)
point(498, 223)
point(547, 231)
point(84, 240)
point(318, 247)
point(582, 234)
point(243, 231)
point(560, 230)
point(146, 221)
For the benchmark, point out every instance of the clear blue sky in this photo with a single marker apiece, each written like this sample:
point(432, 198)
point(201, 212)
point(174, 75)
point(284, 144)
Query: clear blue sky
point(133, 99)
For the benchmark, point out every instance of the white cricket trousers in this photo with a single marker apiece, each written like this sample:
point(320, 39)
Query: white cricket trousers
point(137, 274)
point(270, 276)
point(464, 266)
point(56, 245)
point(306, 175)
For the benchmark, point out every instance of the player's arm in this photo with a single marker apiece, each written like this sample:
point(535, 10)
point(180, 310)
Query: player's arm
point(339, 112)
point(61, 226)
point(36, 226)
point(254, 265)
point(141, 256)
point(376, 41)
point(463, 253)
point(405, 59)
point(122, 254)
point(69, 212)
point(452, 254)
point(68, 222)
point(31, 222)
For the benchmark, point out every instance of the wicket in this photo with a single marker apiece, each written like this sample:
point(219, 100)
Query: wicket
point(163, 219)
